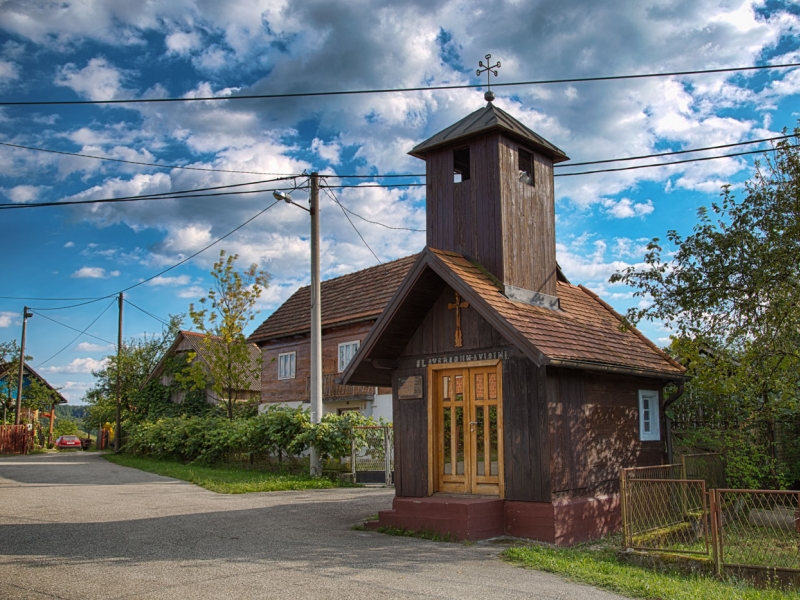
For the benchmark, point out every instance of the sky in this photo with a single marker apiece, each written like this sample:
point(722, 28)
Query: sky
point(104, 49)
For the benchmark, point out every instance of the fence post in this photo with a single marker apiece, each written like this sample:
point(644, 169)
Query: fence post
point(715, 547)
point(623, 508)
point(353, 454)
point(387, 465)
point(683, 467)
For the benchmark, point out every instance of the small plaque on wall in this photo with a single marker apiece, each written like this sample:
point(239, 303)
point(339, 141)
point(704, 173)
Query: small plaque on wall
point(409, 387)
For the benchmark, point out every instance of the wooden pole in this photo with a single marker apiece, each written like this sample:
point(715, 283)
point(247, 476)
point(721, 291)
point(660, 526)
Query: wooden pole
point(316, 322)
point(26, 314)
point(118, 426)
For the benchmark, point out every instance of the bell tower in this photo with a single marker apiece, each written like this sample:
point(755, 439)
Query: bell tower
point(490, 196)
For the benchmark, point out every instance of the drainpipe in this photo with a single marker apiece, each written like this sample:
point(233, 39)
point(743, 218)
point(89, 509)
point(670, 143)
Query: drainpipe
point(667, 403)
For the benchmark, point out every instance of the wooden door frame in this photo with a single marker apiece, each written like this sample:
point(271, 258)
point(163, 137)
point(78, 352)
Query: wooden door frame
point(432, 453)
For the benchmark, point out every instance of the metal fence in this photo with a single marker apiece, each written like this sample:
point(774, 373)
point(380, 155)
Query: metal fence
point(740, 530)
point(372, 454)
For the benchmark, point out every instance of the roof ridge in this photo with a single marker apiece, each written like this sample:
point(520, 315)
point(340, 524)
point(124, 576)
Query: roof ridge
point(630, 327)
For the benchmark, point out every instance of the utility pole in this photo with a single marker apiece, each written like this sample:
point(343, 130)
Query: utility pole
point(316, 322)
point(117, 426)
point(26, 314)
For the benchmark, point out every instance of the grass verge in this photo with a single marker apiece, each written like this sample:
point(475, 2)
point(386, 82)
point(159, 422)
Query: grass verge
point(603, 569)
point(224, 479)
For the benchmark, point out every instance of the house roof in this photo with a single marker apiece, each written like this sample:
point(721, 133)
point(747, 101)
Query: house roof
point(483, 120)
point(354, 297)
point(584, 334)
point(4, 372)
point(195, 341)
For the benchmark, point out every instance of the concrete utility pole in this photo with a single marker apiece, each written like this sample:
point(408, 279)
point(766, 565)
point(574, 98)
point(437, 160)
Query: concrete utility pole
point(118, 426)
point(316, 322)
point(26, 314)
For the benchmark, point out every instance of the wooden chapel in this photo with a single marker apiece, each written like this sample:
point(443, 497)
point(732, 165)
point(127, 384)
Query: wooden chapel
point(517, 397)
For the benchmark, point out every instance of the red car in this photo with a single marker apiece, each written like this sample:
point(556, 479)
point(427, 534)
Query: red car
point(68, 441)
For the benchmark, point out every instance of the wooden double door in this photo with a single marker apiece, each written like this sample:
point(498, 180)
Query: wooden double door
point(467, 431)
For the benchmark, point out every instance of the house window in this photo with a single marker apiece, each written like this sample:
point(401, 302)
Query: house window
point(286, 365)
point(346, 353)
point(460, 164)
point(525, 167)
point(649, 428)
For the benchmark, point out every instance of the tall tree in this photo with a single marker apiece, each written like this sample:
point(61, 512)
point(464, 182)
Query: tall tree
point(137, 359)
point(227, 367)
point(731, 289)
point(35, 394)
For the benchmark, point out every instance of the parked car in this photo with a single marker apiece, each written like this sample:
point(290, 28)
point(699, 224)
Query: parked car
point(68, 441)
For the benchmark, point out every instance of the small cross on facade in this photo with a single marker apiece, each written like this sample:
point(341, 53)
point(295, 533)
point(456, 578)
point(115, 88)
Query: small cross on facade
point(458, 305)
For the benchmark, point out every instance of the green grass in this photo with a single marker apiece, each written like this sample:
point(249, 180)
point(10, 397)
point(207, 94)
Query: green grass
point(424, 534)
point(602, 568)
point(224, 479)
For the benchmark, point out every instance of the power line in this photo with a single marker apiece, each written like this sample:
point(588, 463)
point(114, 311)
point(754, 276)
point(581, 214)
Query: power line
point(674, 152)
point(332, 196)
point(45, 299)
point(355, 214)
point(674, 162)
point(188, 258)
point(149, 314)
point(73, 329)
point(394, 90)
point(134, 162)
point(75, 339)
point(74, 305)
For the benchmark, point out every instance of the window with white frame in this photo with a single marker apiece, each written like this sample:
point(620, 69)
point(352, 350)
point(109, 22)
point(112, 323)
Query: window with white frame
point(286, 365)
point(346, 353)
point(649, 428)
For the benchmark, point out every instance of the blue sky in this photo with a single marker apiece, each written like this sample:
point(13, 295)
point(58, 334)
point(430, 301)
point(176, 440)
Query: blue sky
point(105, 49)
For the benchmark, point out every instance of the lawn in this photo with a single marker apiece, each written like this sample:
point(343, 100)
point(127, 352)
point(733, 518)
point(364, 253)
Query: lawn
point(224, 479)
point(602, 568)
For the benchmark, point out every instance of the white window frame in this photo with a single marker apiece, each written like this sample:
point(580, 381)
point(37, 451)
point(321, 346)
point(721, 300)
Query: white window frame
point(292, 365)
point(649, 417)
point(355, 344)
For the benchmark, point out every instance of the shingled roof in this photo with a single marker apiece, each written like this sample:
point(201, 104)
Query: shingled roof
point(354, 297)
point(195, 341)
point(584, 334)
point(486, 119)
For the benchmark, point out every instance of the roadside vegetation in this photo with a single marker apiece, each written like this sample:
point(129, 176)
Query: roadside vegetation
point(225, 479)
point(600, 566)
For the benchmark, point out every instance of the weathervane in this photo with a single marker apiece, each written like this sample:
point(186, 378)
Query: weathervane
point(488, 69)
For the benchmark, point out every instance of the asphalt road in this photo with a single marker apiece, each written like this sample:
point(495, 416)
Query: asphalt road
point(76, 526)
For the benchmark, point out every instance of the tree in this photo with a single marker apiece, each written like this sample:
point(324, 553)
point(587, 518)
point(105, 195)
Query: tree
point(731, 291)
point(35, 394)
point(226, 366)
point(137, 359)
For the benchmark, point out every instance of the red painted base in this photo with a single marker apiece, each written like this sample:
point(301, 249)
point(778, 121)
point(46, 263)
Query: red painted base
point(564, 522)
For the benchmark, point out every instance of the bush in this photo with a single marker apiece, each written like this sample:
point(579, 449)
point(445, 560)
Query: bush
point(64, 426)
point(280, 431)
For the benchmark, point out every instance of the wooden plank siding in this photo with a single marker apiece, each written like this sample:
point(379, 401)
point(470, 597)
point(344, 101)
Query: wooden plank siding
point(525, 431)
point(410, 439)
point(594, 430)
point(295, 390)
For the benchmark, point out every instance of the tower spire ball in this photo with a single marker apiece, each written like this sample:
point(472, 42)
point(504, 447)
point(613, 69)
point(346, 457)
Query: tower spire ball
point(489, 69)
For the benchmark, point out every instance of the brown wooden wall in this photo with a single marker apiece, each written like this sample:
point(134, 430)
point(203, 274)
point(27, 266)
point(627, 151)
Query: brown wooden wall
point(410, 439)
point(529, 234)
point(525, 431)
point(594, 430)
point(437, 332)
point(506, 225)
point(295, 390)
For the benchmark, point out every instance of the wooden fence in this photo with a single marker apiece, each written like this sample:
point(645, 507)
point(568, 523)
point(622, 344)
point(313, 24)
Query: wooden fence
point(15, 439)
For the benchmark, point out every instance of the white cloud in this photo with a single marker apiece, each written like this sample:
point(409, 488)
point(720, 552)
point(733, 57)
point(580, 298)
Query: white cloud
point(78, 365)
point(7, 319)
point(69, 245)
point(8, 70)
point(98, 80)
point(195, 292)
point(21, 194)
point(90, 347)
point(183, 42)
point(162, 280)
point(94, 273)
point(329, 152)
point(626, 208)
point(73, 391)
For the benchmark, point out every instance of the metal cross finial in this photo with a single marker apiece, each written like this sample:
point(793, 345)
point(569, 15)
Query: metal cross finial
point(488, 69)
